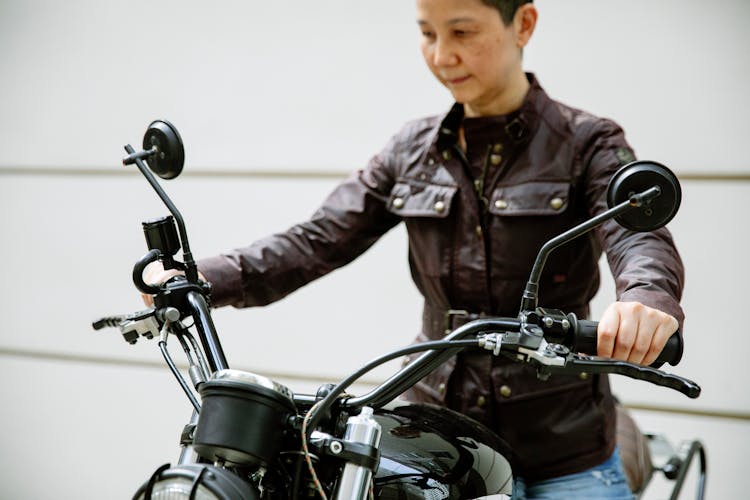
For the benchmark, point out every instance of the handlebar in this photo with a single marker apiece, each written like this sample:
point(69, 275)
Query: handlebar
point(428, 361)
point(547, 338)
point(515, 337)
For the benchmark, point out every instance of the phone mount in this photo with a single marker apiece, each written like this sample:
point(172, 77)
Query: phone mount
point(641, 196)
point(165, 155)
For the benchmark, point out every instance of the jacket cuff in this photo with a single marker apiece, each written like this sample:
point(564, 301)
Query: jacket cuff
point(656, 299)
point(225, 276)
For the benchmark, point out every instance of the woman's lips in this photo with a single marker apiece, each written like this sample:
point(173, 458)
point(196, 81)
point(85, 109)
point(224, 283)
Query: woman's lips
point(457, 81)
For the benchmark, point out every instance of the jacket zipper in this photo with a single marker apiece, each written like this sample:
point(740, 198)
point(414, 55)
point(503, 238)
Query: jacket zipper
point(483, 209)
point(483, 202)
point(479, 184)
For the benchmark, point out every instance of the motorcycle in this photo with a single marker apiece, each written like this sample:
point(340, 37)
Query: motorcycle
point(250, 437)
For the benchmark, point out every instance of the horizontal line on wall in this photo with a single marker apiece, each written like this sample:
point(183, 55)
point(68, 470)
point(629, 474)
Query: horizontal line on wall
point(689, 411)
point(139, 363)
point(284, 173)
point(132, 363)
point(212, 173)
point(725, 177)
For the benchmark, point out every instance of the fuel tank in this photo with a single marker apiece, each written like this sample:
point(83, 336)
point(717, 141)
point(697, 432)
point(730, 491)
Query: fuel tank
point(431, 452)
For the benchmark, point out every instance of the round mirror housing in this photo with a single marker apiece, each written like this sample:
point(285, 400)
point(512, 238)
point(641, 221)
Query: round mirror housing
point(637, 177)
point(169, 157)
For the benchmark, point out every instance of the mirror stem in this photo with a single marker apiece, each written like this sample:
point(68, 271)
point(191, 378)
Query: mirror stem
point(530, 293)
point(191, 271)
point(133, 156)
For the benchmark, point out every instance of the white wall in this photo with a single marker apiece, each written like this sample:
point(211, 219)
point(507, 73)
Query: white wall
point(324, 84)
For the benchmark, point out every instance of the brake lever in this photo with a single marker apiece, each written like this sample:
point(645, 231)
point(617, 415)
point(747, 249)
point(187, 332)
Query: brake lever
point(577, 363)
point(556, 358)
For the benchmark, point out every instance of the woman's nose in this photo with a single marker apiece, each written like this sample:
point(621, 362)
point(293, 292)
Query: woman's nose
point(443, 54)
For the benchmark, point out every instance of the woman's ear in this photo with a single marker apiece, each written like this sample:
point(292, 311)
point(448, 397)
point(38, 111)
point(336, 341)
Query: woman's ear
point(524, 23)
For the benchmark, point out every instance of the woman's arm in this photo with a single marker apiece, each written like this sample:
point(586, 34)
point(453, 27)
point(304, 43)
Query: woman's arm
point(647, 269)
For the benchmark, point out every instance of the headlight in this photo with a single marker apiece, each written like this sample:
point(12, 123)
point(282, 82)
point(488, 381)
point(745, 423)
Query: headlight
point(196, 481)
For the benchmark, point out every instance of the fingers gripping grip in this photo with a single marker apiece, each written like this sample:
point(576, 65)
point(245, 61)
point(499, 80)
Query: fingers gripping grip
point(585, 340)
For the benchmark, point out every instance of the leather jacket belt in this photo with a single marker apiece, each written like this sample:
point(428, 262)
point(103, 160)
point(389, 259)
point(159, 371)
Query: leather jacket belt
point(439, 322)
point(453, 318)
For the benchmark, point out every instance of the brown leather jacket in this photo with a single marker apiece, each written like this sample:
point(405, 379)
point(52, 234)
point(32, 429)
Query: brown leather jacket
point(475, 223)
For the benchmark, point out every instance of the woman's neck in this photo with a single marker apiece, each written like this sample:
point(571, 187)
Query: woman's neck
point(509, 99)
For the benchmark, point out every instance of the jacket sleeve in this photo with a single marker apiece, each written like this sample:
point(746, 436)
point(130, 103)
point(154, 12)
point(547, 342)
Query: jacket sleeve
point(348, 222)
point(646, 266)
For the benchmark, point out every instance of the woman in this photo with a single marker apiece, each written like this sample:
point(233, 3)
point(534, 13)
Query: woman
point(480, 189)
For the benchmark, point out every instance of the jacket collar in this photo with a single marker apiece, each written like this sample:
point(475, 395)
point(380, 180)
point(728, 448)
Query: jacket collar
point(516, 126)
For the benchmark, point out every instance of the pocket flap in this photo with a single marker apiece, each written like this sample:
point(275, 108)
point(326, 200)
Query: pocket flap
point(415, 199)
point(530, 198)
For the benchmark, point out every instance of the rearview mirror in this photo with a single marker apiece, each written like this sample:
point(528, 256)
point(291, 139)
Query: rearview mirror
point(636, 177)
point(169, 157)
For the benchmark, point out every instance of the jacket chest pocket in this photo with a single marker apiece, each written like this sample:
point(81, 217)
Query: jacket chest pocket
point(425, 208)
point(530, 199)
point(523, 218)
point(416, 199)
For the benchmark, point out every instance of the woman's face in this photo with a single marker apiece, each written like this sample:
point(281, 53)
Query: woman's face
point(470, 50)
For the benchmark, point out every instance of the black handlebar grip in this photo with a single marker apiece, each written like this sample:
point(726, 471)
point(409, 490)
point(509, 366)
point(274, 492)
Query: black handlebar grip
point(585, 341)
point(584, 336)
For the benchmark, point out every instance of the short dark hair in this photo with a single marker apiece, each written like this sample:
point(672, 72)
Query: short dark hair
point(507, 8)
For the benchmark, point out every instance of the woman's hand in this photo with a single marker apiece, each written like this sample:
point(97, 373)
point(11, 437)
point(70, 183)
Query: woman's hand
point(155, 274)
point(630, 331)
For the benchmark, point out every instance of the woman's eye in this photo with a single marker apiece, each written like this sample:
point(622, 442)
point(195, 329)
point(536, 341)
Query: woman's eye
point(462, 33)
point(428, 34)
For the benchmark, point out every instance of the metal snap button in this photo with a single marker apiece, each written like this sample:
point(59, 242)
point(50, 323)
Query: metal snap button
point(497, 148)
point(501, 204)
point(481, 401)
point(556, 203)
point(398, 202)
point(505, 391)
point(439, 206)
point(583, 376)
point(446, 155)
point(441, 388)
point(496, 159)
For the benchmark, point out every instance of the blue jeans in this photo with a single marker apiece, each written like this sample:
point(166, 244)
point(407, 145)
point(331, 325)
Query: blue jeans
point(604, 481)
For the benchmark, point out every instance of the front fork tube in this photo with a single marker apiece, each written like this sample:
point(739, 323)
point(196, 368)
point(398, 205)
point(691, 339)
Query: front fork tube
point(355, 479)
point(187, 453)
